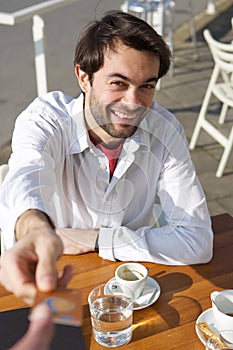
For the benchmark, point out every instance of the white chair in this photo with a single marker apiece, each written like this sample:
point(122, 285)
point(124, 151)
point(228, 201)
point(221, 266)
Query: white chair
point(232, 27)
point(3, 171)
point(221, 86)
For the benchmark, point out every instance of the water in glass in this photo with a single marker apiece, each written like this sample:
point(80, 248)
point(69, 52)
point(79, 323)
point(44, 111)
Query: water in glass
point(112, 320)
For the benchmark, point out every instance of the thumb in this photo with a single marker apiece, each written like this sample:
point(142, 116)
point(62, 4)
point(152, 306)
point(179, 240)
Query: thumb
point(40, 332)
point(41, 328)
point(40, 317)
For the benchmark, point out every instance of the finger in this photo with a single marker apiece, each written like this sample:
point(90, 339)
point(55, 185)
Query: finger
point(46, 274)
point(27, 293)
point(46, 271)
point(15, 267)
point(66, 276)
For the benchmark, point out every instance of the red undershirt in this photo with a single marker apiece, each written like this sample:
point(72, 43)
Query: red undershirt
point(112, 154)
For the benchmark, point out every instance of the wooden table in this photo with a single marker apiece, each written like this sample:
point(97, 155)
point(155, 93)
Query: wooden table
point(170, 322)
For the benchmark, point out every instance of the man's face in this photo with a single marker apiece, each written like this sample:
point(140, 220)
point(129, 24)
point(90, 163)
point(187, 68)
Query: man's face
point(121, 93)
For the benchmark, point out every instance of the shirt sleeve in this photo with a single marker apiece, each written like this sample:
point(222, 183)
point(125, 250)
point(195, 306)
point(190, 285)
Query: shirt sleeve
point(183, 233)
point(29, 183)
point(170, 244)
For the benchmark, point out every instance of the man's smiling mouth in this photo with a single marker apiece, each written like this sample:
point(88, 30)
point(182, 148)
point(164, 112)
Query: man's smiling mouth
point(123, 115)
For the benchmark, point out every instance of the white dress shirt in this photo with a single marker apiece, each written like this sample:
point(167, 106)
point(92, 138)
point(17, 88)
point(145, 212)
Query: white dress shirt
point(153, 209)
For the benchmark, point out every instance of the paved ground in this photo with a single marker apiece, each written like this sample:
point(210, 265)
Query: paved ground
point(182, 94)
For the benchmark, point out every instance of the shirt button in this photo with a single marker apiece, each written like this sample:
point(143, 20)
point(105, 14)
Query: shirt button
point(103, 167)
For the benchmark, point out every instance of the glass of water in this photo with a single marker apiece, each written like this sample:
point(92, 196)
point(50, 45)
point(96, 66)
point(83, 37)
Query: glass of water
point(220, 341)
point(111, 315)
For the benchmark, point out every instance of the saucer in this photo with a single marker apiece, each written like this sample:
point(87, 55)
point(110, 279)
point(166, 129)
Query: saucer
point(151, 284)
point(208, 317)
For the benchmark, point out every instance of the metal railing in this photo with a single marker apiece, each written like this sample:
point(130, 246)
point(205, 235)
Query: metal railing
point(33, 12)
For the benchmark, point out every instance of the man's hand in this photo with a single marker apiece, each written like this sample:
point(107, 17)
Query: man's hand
point(40, 332)
point(76, 241)
point(31, 265)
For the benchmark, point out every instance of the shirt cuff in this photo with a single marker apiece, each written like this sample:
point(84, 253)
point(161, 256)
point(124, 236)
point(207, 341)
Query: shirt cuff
point(106, 243)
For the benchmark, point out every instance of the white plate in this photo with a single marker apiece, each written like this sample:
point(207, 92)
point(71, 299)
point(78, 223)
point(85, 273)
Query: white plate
point(206, 316)
point(150, 282)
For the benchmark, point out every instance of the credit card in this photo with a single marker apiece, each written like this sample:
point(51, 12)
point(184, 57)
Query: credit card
point(65, 305)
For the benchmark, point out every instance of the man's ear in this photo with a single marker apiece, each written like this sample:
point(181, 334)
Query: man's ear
point(83, 79)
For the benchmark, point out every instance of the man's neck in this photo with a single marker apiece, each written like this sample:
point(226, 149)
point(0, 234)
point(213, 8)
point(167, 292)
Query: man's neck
point(111, 143)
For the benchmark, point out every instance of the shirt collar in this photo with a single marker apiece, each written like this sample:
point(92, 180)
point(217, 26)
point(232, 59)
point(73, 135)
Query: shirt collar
point(81, 137)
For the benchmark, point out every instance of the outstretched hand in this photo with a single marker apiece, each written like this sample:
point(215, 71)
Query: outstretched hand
point(31, 265)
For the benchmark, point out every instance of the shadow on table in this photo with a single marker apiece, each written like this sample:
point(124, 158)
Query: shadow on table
point(171, 308)
point(166, 313)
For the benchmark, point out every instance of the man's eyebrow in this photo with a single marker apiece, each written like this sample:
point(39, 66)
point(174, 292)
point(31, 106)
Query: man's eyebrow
point(153, 79)
point(118, 75)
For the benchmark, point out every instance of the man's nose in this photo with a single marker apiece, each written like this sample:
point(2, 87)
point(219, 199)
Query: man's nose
point(132, 97)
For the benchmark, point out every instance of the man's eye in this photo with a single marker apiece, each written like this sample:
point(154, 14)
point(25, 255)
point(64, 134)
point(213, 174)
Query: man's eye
point(148, 86)
point(118, 83)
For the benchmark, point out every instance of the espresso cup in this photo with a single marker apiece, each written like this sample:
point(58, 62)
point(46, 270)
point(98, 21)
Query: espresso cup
point(132, 276)
point(222, 305)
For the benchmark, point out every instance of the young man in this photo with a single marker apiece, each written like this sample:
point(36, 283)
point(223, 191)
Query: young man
point(109, 171)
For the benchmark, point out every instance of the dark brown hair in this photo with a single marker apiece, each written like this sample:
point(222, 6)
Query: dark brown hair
point(100, 36)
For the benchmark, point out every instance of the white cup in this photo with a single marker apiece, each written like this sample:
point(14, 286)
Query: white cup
point(132, 276)
point(222, 305)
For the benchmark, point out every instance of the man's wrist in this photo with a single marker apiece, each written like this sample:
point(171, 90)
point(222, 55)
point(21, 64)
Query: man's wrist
point(32, 219)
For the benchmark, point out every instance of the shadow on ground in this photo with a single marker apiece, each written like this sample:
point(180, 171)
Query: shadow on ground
point(219, 26)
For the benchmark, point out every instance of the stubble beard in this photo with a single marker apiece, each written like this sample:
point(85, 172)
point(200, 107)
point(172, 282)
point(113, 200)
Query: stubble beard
point(101, 114)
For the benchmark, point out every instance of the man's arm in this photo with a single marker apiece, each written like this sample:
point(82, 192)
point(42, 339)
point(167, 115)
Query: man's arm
point(31, 220)
point(78, 241)
point(75, 241)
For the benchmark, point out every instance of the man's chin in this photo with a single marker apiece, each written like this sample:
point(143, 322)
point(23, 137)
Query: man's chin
point(122, 130)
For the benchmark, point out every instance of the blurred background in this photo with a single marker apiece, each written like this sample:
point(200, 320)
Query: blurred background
point(182, 93)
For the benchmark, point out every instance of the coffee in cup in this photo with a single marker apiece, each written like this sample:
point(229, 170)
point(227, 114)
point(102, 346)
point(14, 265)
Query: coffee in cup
point(132, 276)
